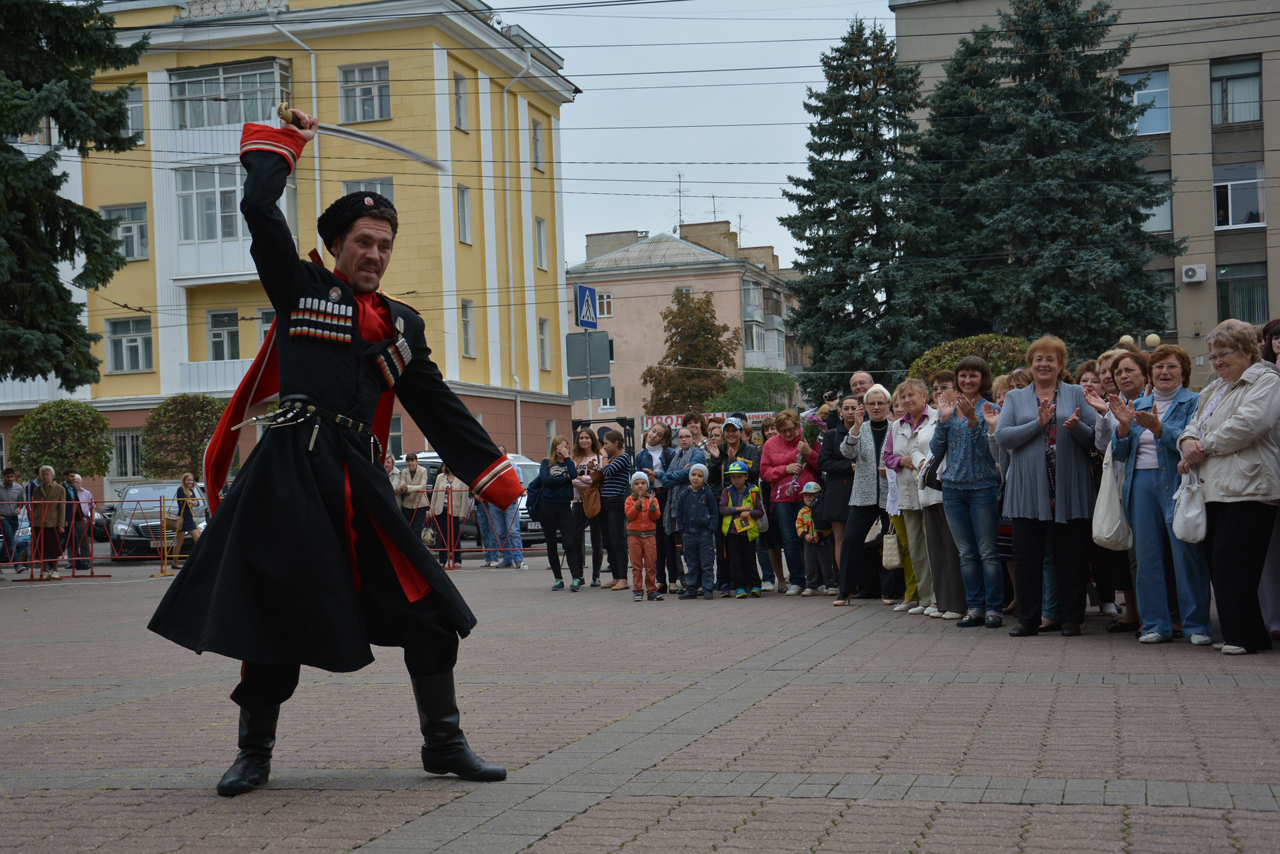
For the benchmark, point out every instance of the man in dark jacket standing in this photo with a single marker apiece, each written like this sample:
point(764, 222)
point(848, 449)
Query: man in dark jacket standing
point(342, 569)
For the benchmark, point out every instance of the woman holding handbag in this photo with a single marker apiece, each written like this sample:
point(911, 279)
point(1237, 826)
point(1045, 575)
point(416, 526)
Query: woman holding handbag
point(186, 501)
point(788, 462)
point(449, 505)
point(587, 458)
point(1145, 444)
point(864, 444)
point(1229, 443)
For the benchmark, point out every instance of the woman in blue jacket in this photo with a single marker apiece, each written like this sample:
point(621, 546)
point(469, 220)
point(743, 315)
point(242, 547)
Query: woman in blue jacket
point(556, 476)
point(1146, 444)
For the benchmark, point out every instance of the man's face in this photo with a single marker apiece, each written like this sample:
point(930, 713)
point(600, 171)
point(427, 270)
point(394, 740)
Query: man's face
point(365, 253)
point(859, 383)
point(75, 480)
point(8, 480)
point(70, 477)
point(46, 478)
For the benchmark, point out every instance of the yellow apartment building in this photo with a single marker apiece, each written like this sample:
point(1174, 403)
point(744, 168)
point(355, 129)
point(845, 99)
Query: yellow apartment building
point(480, 247)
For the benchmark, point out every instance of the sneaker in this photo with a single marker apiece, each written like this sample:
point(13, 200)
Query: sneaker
point(951, 615)
point(993, 621)
point(521, 565)
point(970, 621)
point(708, 595)
point(637, 597)
point(738, 594)
point(1110, 609)
point(595, 582)
point(820, 590)
point(932, 611)
point(575, 585)
point(793, 590)
point(1231, 649)
point(806, 592)
point(1219, 645)
point(1153, 637)
point(655, 596)
point(917, 610)
point(688, 594)
point(1201, 640)
point(768, 587)
point(44, 576)
point(755, 592)
point(724, 590)
point(906, 605)
point(833, 591)
point(506, 564)
point(559, 584)
point(54, 575)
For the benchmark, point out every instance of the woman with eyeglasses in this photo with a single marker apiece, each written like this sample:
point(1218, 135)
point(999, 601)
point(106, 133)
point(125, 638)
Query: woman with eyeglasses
point(860, 569)
point(1230, 444)
point(788, 462)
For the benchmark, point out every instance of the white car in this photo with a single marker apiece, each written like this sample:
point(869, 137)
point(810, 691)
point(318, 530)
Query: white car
point(530, 529)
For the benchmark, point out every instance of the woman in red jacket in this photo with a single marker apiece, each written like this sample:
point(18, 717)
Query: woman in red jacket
point(788, 462)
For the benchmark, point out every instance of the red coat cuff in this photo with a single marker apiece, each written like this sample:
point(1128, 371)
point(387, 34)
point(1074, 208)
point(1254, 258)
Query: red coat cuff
point(286, 143)
point(498, 484)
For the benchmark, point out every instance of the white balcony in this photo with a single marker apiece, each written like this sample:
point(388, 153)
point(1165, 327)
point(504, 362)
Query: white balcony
point(22, 395)
point(216, 378)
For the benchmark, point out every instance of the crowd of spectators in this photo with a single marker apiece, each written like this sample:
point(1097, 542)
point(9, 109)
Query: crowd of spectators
point(973, 497)
point(59, 516)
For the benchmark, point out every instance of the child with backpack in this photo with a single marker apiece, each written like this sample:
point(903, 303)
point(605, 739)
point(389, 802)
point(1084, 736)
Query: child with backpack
point(741, 507)
point(815, 536)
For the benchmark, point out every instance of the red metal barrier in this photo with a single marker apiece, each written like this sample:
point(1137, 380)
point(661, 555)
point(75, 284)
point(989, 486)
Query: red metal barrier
point(447, 529)
point(29, 548)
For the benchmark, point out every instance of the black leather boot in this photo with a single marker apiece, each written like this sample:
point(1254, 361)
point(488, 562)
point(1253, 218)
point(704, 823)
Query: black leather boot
point(253, 764)
point(445, 749)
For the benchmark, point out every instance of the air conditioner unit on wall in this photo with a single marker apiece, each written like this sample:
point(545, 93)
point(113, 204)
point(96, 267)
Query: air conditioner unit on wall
point(1195, 273)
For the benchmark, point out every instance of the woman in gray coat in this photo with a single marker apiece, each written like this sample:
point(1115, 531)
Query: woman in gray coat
point(1047, 428)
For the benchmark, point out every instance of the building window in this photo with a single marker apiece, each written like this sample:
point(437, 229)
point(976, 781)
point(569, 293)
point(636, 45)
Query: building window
point(1155, 93)
point(209, 203)
point(551, 434)
point(381, 186)
point(129, 345)
point(3, 463)
point(459, 102)
point(464, 214)
point(753, 340)
point(544, 344)
point(535, 137)
point(1238, 196)
point(126, 459)
point(1236, 91)
point(772, 302)
point(611, 351)
point(468, 314)
point(604, 305)
point(540, 241)
point(1242, 293)
point(224, 335)
point(686, 290)
point(610, 403)
point(395, 438)
point(266, 317)
point(129, 229)
point(364, 93)
point(752, 294)
point(1164, 281)
point(228, 94)
point(133, 103)
point(1162, 215)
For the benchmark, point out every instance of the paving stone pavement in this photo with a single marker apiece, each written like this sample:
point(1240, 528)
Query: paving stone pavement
point(773, 725)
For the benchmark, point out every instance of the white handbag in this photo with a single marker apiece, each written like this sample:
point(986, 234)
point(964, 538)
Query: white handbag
point(1110, 526)
point(891, 554)
point(1189, 520)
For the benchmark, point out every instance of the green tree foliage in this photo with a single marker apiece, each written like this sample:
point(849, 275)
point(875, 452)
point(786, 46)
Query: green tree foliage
point(700, 350)
point(63, 434)
point(754, 390)
point(1053, 191)
point(176, 434)
point(853, 211)
point(52, 50)
point(1003, 354)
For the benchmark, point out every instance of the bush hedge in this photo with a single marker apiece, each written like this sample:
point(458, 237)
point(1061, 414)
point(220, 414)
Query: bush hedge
point(1002, 352)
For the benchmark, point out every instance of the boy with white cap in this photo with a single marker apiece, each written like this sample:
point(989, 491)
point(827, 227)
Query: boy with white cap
point(696, 512)
point(643, 514)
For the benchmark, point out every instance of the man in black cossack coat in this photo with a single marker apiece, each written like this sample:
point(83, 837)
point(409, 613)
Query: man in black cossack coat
point(308, 559)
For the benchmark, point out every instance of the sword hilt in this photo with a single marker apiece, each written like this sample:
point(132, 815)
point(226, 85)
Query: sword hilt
point(288, 115)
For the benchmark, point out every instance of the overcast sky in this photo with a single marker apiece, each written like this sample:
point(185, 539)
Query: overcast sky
point(607, 50)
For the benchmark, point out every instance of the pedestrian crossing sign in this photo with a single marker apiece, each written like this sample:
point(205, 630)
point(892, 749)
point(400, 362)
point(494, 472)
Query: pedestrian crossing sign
point(586, 304)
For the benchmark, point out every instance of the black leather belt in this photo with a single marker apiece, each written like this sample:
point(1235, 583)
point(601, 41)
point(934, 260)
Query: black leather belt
point(298, 406)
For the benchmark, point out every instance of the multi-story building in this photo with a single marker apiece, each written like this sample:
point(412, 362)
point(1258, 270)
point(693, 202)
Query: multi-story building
point(1211, 64)
point(480, 246)
point(635, 276)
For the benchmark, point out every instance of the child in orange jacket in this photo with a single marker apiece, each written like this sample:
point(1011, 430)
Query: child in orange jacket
point(643, 515)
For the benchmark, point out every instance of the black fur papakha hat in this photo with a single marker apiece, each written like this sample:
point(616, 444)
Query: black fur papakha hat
point(339, 216)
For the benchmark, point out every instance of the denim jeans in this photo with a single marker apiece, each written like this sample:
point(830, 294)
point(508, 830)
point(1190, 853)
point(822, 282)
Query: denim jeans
point(1149, 502)
point(512, 547)
point(486, 516)
point(9, 526)
point(974, 517)
point(699, 560)
point(787, 511)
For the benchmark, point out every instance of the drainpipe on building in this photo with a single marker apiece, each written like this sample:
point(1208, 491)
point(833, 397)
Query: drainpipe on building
point(506, 192)
point(315, 111)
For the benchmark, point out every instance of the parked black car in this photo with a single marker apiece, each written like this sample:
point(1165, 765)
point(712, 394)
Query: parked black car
point(137, 529)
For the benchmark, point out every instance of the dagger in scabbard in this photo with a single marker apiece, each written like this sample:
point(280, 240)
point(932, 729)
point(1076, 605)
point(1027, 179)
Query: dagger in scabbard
point(288, 115)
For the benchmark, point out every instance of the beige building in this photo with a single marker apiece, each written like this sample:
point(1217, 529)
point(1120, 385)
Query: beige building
point(480, 248)
point(635, 276)
point(1212, 128)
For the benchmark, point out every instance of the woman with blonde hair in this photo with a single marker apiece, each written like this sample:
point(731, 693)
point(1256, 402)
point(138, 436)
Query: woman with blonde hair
point(860, 569)
point(788, 462)
point(1230, 444)
point(586, 456)
point(187, 502)
point(556, 475)
point(904, 454)
point(1047, 428)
